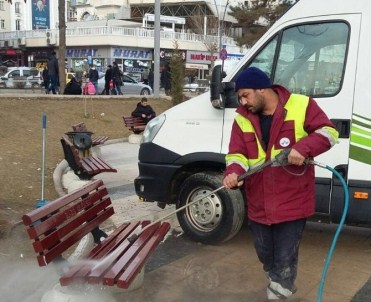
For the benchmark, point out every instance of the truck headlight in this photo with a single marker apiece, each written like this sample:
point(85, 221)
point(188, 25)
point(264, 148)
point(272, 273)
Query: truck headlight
point(152, 128)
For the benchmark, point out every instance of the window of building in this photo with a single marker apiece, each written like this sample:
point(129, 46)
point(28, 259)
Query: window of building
point(17, 8)
point(18, 24)
point(2, 5)
point(2, 24)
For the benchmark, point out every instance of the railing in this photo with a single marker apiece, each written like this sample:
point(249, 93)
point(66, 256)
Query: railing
point(116, 31)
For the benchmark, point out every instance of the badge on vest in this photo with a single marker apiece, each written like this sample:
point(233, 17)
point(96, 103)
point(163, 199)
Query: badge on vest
point(284, 142)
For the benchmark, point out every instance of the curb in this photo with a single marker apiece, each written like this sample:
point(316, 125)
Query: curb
point(57, 177)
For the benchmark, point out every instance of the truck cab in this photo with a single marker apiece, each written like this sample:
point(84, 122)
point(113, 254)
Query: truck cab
point(320, 49)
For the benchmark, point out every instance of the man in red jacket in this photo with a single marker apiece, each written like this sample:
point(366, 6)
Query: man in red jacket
point(279, 199)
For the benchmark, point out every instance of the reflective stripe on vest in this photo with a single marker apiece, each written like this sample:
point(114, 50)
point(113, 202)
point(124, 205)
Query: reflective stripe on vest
point(295, 107)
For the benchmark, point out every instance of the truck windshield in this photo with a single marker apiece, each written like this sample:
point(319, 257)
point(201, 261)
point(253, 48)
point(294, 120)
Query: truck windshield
point(307, 59)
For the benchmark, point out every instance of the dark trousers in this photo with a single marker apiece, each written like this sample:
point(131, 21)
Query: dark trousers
point(277, 247)
point(53, 83)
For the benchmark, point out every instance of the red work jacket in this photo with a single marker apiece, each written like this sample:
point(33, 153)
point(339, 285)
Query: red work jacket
point(279, 194)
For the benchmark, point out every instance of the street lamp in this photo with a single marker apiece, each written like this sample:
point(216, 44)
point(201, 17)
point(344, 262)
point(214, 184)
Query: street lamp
point(221, 21)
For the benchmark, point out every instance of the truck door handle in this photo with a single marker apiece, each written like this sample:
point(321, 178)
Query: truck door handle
point(342, 126)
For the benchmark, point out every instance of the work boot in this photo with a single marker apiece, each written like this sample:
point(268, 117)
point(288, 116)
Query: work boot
point(277, 291)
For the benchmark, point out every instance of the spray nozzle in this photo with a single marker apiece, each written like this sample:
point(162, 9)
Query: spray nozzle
point(281, 159)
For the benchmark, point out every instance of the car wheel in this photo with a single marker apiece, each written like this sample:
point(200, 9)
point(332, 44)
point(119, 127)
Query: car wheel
point(145, 91)
point(215, 218)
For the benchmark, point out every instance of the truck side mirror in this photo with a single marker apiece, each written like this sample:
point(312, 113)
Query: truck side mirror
point(222, 94)
point(215, 87)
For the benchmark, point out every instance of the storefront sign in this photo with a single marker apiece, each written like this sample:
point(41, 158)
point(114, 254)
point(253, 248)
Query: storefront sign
point(200, 57)
point(125, 53)
point(167, 53)
point(81, 53)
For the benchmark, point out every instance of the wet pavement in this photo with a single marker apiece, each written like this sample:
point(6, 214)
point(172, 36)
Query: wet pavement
point(183, 270)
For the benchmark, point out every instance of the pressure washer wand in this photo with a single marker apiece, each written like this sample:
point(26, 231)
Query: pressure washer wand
point(279, 158)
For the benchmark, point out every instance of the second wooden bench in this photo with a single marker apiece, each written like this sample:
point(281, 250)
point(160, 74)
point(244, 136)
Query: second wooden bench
point(135, 124)
point(83, 167)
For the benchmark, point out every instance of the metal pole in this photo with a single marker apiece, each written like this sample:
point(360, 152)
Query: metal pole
point(42, 201)
point(156, 54)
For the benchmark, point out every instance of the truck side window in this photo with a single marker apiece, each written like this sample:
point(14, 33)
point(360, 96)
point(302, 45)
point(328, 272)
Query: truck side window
point(308, 58)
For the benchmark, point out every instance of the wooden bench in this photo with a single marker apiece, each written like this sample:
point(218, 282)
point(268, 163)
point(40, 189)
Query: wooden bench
point(97, 140)
point(83, 167)
point(55, 227)
point(135, 124)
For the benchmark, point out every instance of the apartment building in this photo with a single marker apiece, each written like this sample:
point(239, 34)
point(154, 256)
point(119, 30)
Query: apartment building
point(103, 31)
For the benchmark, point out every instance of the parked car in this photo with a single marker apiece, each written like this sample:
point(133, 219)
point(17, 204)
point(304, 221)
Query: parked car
point(21, 77)
point(130, 86)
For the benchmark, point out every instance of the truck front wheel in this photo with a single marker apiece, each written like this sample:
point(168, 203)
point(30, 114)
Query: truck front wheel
point(215, 218)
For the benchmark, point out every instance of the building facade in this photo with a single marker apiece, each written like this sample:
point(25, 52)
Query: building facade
point(96, 35)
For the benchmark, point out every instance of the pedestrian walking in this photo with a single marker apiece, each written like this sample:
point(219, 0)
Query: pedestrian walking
point(117, 75)
point(107, 80)
point(53, 73)
point(93, 77)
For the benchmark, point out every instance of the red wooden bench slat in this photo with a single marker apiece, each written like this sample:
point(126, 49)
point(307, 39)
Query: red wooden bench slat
point(135, 124)
point(73, 224)
point(99, 251)
point(111, 276)
point(89, 165)
point(105, 166)
point(137, 264)
point(52, 207)
point(107, 246)
point(63, 246)
point(60, 216)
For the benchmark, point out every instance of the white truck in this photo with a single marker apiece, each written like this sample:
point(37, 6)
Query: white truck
point(318, 48)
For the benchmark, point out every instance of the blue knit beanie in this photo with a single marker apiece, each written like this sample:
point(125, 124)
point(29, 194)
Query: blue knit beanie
point(252, 78)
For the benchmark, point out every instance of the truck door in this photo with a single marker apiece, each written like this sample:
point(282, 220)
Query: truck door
point(316, 57)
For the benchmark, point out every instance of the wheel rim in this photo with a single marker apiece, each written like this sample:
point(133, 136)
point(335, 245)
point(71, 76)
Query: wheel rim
point(206, 214)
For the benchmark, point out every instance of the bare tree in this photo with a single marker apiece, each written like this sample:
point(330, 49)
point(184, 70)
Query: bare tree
point(256, 18)
point(62, 44)
point(197, 23)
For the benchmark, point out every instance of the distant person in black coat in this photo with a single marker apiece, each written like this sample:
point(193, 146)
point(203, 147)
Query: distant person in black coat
point(107, 80)
point(166, 80)
point(150, 78)
point(73, 87)
point(53, 72)
point(46, 81)
point(144, 111)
